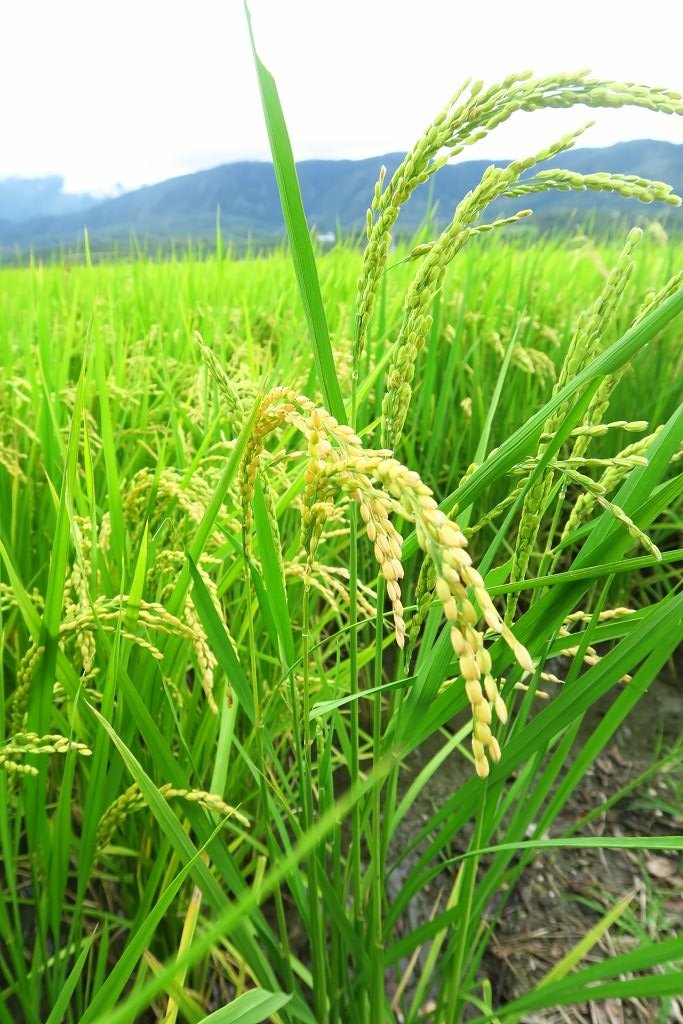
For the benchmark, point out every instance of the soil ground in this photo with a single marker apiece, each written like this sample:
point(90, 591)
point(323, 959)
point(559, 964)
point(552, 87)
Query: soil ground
point(564, 893)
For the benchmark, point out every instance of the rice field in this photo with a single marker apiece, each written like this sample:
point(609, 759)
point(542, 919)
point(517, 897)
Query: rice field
point(262, 543)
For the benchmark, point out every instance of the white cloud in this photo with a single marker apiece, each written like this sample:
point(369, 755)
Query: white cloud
point(134, 92)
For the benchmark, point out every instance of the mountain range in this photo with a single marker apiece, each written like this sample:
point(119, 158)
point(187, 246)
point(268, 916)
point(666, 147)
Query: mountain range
point(38, 215)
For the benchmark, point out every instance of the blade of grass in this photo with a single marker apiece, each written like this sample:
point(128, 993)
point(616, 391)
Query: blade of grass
point(524, 440)
point(299, 236)
point(219, 642)
point(242, 907)
point(251, 1008)
point(107, 994)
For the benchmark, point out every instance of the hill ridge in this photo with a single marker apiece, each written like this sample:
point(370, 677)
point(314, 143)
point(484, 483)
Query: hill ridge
point(335, 193)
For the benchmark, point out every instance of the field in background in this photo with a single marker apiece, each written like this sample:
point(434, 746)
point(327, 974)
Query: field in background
point(203, 705)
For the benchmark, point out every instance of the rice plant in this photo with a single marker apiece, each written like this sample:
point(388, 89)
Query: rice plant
point(295, 545)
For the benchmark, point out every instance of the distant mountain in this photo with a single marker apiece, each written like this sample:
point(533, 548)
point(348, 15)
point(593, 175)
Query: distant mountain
point(335, 194)
point(24, 198)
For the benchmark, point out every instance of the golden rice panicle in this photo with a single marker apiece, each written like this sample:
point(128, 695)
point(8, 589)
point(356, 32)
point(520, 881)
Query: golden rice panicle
point(271, 414)
point(606, 615)
point(634, 530)
point(316, 506)
point(600, 401)
point(592, 325)
point(338, 464)
point(11, 459)
point(132, 800)
point(417, 317)
point(630, 186)
point(117, 812)
point(589, 335)
point(17, 747)
point(470, 115)
point(446, 545)
point(225, 385)
point(313, 519)
point(329, 581)
point(589, 654)
point(27, 668)
point(77, 589)
point(387, 543)
point(621, 466)
point(108, 615)
point(204, 656)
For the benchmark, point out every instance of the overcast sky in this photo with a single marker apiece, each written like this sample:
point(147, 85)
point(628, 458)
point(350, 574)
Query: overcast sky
point(135, 91)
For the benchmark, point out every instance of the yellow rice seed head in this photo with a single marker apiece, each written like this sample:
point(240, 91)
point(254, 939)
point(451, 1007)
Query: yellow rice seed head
point(443, 591)
point(501, 709)
point(482, 713)
point(523, 657)
point(482, 732)
point(452, 537)
point(478, 749)
point(388, 571)
point(365, 512)
point(379, 553)
point(349, 437)
point(450, 609)
point(464, 557)
point(451, 575)
point(469, 614)
point(469, 667)
point(491, 688)
point(398, 568)
point(483, 660)
point(493, 620)
point(473, 637)
point(393, 590)
point(459, 592)
point(382, 545)
point(430, 509)
point(436, 517)
point(474, 692)
point(371, 530)
point(482, 596)
point(460, 645)
point(473, 578)
point(494, 750)
point(481, 766)
point(395, 546)
point(400, 630)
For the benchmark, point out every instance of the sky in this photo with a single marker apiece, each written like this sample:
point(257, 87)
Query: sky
point(135, 91)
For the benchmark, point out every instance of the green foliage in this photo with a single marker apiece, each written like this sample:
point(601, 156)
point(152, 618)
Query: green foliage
point(196, 650)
